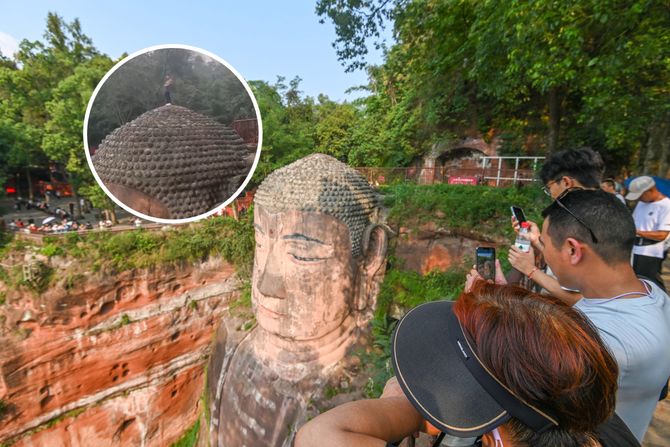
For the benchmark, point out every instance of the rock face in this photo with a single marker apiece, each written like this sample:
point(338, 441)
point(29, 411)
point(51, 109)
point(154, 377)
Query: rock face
point(431, 248)
point(172, 162)
point(120, 362)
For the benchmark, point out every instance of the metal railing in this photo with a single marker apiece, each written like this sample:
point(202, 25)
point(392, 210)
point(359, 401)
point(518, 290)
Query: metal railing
point(493, 176)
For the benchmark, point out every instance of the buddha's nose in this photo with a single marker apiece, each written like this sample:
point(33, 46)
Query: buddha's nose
point(271, 279)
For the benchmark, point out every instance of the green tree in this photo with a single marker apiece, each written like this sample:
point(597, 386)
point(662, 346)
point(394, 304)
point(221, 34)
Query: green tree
point(288, 124)
point(62, 140)
point(43, 97)
point(590, 72)
point(334, 128)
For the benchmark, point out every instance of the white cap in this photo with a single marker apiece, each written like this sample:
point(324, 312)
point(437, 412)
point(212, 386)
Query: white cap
point(639, 186)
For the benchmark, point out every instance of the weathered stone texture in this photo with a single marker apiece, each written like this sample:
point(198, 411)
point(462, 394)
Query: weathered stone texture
point(185, 161)
point(117, 362)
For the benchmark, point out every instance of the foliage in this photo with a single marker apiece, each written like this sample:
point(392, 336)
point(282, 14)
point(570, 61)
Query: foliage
point(125, 320)
point(546, 74)
point(43, 96)
point(137, 86)
point(295, 125)
point(190, 438)
point(408, 289)
point(62, 139)
point(50, 249)
point(355, 22)
point(140, 248)
point(481, 210)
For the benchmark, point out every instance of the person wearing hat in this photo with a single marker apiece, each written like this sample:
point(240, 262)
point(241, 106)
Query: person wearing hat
point(501, 363)
point(652, 223)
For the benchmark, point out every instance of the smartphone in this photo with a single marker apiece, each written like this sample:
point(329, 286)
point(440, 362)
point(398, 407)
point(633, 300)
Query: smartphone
point(486, 262)
point(518, 214)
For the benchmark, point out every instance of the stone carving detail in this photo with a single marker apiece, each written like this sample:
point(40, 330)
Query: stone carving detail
point(172, 162)
point(319, 261)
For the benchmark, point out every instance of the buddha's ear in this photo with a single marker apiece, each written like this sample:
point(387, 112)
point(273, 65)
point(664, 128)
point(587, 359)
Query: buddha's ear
point(374, 246)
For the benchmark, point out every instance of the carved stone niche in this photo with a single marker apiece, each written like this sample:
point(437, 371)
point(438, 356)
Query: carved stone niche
point(319, 260)
point(172, 163)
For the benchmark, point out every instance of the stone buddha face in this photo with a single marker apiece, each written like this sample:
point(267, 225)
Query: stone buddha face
point(309, 272)
point(304, 274)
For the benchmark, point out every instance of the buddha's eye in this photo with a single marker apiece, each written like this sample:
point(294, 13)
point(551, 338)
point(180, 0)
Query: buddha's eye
point(305, 259)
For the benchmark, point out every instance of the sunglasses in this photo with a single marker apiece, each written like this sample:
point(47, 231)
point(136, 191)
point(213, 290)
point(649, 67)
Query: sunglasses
point(558, 202)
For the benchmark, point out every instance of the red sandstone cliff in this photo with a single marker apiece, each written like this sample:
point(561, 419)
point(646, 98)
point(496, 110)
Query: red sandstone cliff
point(114, 361)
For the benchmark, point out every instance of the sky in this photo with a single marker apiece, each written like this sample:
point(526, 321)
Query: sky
point(260, 39)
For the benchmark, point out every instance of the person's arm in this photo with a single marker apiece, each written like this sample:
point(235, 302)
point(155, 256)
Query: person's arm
point(654, 235)
point(525, 263)
point(364, 423)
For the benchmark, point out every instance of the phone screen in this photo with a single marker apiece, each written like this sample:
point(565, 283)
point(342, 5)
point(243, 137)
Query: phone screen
point(486, 262)
point(518, 214)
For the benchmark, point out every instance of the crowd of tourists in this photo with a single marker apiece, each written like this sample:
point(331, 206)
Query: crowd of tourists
point(571, 348)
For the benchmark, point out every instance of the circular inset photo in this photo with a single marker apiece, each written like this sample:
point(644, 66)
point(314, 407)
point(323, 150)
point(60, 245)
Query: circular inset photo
point(172, 133)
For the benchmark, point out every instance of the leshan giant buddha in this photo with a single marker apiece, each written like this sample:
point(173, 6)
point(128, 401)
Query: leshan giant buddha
point(319, 260)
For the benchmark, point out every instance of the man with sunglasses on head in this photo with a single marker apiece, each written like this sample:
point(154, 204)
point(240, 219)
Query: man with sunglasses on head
point(562, 171)
point(652, 220)
point(588, 236)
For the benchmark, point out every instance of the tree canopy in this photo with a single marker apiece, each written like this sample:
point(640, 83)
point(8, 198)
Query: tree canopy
point(43, 97)
point(199, 83)
point(544, 75)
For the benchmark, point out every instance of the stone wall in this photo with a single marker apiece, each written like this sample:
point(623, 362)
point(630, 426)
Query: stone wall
point(431, 247)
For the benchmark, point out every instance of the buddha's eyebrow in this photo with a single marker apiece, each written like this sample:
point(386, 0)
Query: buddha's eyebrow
point(302, 237)
point(259, 228)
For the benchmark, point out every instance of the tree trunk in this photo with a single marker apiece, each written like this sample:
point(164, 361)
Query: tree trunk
point(655, 152)
point(31, 195)
point(664, 148)
point(17, 179)
point(554, 118)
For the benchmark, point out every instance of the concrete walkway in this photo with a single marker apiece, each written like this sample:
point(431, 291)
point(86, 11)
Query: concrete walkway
point(8, 213)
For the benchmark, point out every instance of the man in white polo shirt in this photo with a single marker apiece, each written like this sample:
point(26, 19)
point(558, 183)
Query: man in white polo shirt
point(652, 223)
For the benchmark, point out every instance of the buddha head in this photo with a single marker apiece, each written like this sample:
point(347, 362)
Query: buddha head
point(172, 163)
point(320, 253)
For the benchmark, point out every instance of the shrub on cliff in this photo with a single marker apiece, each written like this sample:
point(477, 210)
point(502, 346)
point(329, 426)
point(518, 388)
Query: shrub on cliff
point(223, 236)
point(480, 209)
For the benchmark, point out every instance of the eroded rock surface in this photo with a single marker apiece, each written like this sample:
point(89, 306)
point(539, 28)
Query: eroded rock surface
point(119, 361)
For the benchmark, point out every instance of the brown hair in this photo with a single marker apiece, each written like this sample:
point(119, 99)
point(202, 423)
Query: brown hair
point(546, 353)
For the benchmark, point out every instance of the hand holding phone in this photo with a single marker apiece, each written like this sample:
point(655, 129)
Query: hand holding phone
point(486, 262)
